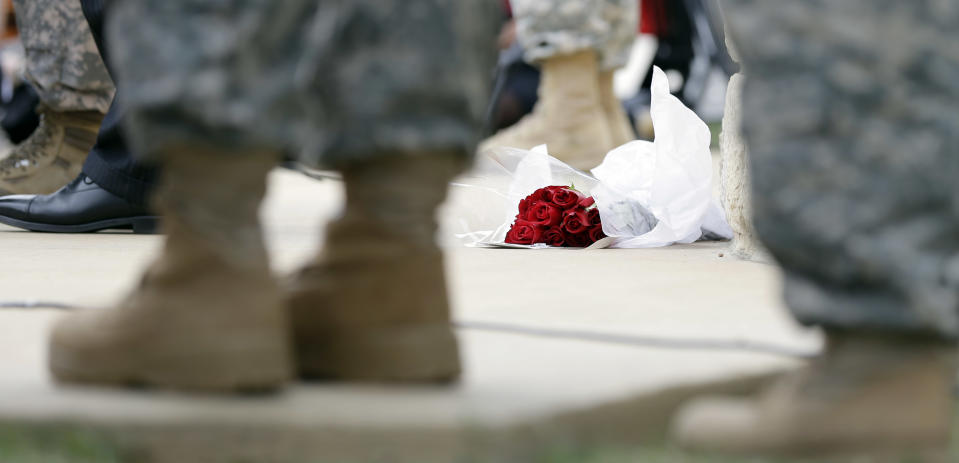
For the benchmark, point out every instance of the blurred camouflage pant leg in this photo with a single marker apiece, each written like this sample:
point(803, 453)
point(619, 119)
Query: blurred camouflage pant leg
point(344, 79)
point(63, 63)
point(555, 27)
point(850, 118)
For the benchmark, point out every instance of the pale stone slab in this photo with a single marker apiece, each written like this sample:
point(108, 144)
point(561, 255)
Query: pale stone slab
point(519, 392)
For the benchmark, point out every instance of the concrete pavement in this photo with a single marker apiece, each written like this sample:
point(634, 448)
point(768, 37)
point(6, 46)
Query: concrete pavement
point(558, 346)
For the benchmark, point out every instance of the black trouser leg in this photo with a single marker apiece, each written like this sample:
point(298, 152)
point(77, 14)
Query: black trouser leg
point(110, 163)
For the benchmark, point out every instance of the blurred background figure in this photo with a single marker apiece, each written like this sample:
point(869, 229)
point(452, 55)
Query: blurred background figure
point(684, 37)
point(112, 189)
point(516, 81)
point(391, 93)
point(74, 90)
point(578, 44)
point(849, 114)
point(690, 47)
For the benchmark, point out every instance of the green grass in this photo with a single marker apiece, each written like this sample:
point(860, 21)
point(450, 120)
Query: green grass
point(44, 445)
point(35, 444)
point(665, 454)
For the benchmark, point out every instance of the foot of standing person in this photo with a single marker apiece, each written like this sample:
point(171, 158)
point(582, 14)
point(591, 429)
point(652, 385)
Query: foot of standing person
point(82, 206)
point(53, 155)
point(373, 306)
point(207, 313)
point(868, 393)
point(568, 117)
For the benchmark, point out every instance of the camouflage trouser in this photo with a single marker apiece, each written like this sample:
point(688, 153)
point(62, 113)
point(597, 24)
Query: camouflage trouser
point(344, 79)
point(556, 27)
point(850, 116)
point(63, 63)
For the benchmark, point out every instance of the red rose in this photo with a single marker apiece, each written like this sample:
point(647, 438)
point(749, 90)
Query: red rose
point(523, 232)
point(566, 198)
point(544, 213)
point(544, 194)
point(593, 216)
point(554, 237)
point(524, 205)
point(587, 201)
point(596, 233)
point(575, 221)
point(577, 240)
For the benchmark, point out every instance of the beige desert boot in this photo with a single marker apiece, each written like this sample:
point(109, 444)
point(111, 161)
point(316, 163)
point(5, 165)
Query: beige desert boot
point(568, 116)
point(619, 126)
point(207, 314)
point(869, 395)
point(373, 305)
point(53, 155)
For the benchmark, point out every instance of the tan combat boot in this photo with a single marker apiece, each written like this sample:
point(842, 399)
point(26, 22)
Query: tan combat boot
point(619, 126)
point(867, 395)
point(53, 155)
point(207, 313)
point(568, 117)
point(373, 306)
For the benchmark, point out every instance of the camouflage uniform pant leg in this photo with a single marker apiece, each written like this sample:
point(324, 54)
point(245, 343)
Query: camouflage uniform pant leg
point(63, 63)
point(547, 28)
point(344, 79)
point(850, 117)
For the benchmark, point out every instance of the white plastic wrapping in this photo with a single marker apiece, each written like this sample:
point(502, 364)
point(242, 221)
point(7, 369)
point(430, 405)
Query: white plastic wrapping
point(649, 194)
point(668, 180)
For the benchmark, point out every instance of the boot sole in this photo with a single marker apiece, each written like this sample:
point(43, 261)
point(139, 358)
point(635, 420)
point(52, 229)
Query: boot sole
point(233, 371)
point(417, 353)
point(146, 225)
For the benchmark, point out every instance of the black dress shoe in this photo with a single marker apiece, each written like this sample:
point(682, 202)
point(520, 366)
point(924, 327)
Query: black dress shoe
point(80, 207)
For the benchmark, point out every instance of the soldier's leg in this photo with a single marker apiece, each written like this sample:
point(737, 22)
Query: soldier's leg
point(75, 91)
point(622, 17)
point(849, 115)
point(572, 41)
point(208, 101)
point(395, 107)
point(404, 107)
point(111, 163)
point(63, 62)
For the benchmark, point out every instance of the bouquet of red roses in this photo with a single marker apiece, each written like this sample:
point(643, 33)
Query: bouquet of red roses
point(557, 216)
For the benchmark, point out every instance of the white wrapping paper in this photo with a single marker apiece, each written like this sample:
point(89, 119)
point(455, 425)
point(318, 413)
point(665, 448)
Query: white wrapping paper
point(649, 194)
